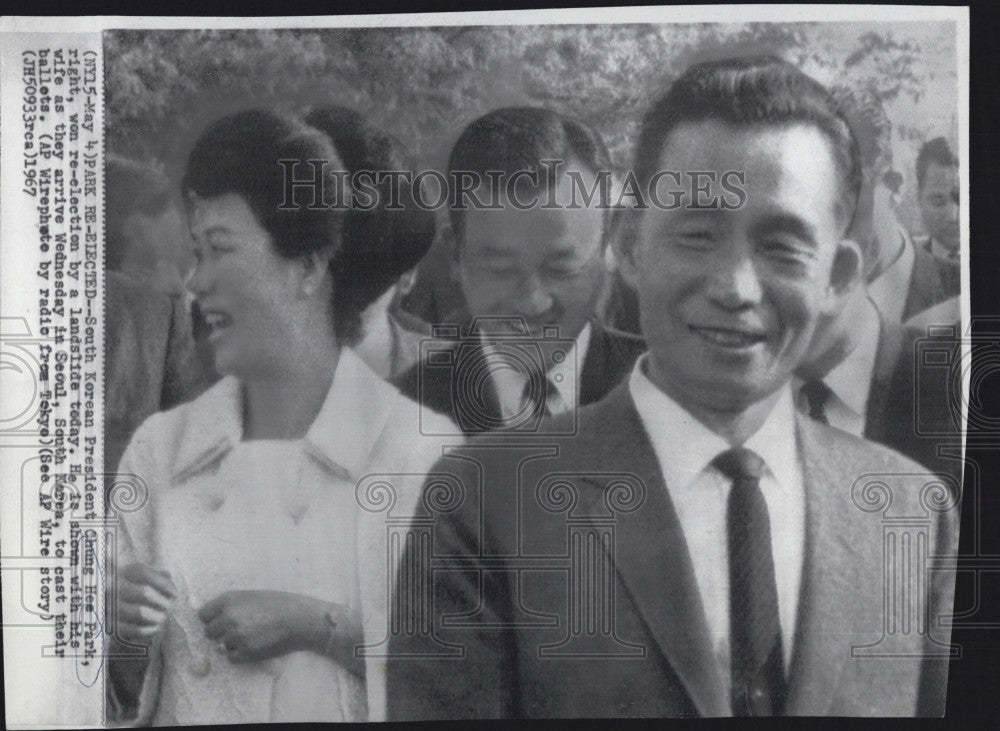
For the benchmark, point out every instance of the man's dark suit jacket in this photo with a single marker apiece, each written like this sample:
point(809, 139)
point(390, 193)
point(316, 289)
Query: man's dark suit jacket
point(933, 280)
point(150, 363)
point(912, 404)
point(609, 359)
point(508, 548)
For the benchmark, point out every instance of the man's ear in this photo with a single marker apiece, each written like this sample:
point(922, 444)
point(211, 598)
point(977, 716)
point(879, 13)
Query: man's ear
point(314, 268)
point(846, 274)
point(624, 242)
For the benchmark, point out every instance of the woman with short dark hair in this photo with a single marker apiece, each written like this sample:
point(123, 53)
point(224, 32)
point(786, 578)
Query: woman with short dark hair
point(253, 571)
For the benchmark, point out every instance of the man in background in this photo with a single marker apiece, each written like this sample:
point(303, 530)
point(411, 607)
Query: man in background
point(937, 181)
point(861, 374)
point(147, 233)
point(904, 278)
point(150, 359)
point(151, 362)
point(530, 276)
point(937, 188)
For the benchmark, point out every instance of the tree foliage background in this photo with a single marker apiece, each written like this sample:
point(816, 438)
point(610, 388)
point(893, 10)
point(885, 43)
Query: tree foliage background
point(424, 85)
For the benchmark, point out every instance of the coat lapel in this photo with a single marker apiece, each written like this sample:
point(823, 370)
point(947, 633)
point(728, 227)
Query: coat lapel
point(454, 393)
point(929, 282)
point(835, 587)
point(650, 553)
point(608, 361)
point(594, 371)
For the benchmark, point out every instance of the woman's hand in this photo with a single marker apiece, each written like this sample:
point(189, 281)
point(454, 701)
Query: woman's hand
point(256, 625)
point(144, 598)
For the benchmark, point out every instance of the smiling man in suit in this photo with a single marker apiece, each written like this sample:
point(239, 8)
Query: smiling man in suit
point(529, 259)
point(718, 552)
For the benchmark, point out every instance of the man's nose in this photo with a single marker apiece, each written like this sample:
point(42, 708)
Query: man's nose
point(533, 298)
point(734, 283)
point(953, 211)
point(198, 280)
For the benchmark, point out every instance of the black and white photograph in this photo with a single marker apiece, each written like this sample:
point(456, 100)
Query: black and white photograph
point(589, 364)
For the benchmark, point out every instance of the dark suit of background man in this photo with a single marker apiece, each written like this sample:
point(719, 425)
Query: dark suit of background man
point(151, 360)
point(862, 373)
point(742, 571)
point(526, 271)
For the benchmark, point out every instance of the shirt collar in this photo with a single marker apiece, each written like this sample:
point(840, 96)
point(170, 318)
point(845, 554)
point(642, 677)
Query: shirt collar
point(941, 251)
point(850, 380)
point(509, 383)
point(211, 425)
point(888, 290)
point(342, 436)
point(353, 416)
point(685, 447)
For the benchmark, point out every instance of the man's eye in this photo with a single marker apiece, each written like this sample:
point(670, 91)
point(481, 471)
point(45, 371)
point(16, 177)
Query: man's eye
point(693, 238)
point(785, 252)
point(500, 270)
point(561, 272)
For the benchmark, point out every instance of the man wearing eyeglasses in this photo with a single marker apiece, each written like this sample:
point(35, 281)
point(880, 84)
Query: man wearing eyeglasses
point(904, 277)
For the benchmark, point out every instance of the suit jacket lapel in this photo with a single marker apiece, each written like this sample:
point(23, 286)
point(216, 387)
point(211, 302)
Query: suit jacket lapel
point(926, 286)
point(449, 392)
point(594, 369)
point(832, 599)
point(451, 395)
point(651, 554)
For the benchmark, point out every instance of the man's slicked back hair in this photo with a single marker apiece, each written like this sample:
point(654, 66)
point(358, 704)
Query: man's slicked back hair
point(935, 151)
point(514, 139)
point(749, 91)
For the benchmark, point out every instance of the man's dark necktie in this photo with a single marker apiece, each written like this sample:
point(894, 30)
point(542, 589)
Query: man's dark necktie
point(756, 660)
point(817, 395)
point(536, 395)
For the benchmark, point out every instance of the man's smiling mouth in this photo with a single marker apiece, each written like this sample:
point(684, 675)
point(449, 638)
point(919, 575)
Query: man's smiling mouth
point(729, 338)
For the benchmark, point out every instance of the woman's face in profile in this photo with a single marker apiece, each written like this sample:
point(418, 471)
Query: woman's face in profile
point(245, 289)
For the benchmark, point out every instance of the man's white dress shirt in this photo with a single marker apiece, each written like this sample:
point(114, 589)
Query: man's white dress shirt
point(685, 449)
point(563, 378)
point(851, 380)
